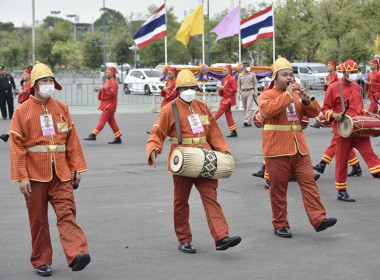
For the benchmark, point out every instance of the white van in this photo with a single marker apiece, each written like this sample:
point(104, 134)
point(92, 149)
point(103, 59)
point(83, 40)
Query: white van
point(312, 75)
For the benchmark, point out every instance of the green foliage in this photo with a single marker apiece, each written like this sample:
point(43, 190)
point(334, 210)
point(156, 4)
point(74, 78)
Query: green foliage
point(92, 52)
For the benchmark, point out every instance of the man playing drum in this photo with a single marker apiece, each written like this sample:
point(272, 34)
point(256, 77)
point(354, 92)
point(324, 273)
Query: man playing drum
point(333, 108)
point(285, 149)
point(208, 136)
point(329, 153)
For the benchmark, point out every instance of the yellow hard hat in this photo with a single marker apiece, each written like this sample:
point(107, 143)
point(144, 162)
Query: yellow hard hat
point(40, 71)
point(185, 78)
point(280, 64)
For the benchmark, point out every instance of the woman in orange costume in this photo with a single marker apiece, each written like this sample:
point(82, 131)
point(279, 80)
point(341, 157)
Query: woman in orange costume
point(209, 136)
point(46, 161)
point(285, 149)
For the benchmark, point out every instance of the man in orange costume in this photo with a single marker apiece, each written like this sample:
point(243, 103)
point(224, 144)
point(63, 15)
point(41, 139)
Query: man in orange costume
point(332, 109)
point(211, 135)
point(285, 149)
point(329, 154)
point(23, 96)
point(228, 93)
point(108, 103)
point(372, 86)
point(169, 92)
point(47, 162)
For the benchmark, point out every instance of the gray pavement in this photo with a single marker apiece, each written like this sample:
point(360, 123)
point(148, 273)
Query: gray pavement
point(125, 208)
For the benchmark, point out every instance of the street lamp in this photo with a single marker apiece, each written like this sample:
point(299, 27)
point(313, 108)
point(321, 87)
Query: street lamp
point(134, 48)
point(76, 19)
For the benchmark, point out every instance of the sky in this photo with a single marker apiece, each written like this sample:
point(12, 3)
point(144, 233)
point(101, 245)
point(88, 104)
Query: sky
point(20, 11)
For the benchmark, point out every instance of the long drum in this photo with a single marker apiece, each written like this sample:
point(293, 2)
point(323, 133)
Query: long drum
point(201, 163)
point(321, 120)
point(359, 126)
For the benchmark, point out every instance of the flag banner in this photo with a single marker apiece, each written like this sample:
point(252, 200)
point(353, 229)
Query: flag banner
point(153, 29)
point(257, 26)
point(229, 25)
point(192, 25)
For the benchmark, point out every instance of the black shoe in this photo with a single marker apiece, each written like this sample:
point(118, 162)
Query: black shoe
point(315, 125)
point(187, 247)
point(115, 141)
point(44, 270)
point(227, 242)
point(292, 178)
point(320, 167)
point(356, 171)
point(283, 232)
point(80, 262)
point(233, 134)
point(316, 177)
point(343, 195)
point(91, 137)
point(4, 137)
point(260, 173)
point(266, 184)
point(326, 223)
point(245, 124)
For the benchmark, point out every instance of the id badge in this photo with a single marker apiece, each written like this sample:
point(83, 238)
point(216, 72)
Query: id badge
point(204, 119)
point(62, 127)
point(291, 112)
point(47, 125)
point(195, 123)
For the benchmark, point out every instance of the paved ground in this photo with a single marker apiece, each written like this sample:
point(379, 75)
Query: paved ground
point(125, 209)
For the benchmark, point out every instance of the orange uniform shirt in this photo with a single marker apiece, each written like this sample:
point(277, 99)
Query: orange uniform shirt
point(24, 93)
point(332, 78)
point(108, 96)
point(228, 94)
point(374, 88)
point(26, 131)
point(165, 126)
point(272, 106)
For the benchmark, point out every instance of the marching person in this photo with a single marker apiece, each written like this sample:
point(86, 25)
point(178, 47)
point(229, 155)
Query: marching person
point(333, 107)
point(285, 149)
point(107, 96)
point(247, 89)
point(47, 162)
point(205, 135)
point(372, 86)
point(329, 154)
point(227, 91)
point(169, 92)
point(332, 77)
point(6, 96)
point(24, 95)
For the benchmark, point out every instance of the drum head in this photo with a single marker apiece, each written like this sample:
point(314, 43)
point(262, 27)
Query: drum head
point(345, 126)
point(176, 160)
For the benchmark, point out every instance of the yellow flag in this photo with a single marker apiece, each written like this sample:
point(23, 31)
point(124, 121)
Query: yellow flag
point(377, 45)
point(192, 25)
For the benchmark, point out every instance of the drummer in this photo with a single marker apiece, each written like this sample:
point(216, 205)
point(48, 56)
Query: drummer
point(332, 108)
point(207, 135)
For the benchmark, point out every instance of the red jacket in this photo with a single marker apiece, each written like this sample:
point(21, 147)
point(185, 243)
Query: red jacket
point(228, 94)
point(170, 94)
point(374, 88)
point(332, 78)
point(24, 95)
point(108, 96)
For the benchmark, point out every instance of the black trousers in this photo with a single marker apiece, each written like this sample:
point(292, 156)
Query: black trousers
point(6, 99)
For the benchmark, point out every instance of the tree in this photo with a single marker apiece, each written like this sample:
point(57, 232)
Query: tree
point(92, 52)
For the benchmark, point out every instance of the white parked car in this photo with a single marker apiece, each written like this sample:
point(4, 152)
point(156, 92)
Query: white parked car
point(143, 80)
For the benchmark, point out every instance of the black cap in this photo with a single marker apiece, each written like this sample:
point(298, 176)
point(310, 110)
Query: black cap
point(2, 67)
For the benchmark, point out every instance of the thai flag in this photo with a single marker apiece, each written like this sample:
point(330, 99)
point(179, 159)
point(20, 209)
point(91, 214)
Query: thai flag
point(257, 26)
point(153, 29)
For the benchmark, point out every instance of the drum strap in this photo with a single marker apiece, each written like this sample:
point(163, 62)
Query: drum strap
point(177, 124)
point(341, 96)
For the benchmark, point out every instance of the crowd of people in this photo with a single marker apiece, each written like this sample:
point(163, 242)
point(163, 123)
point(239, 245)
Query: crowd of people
point(47, 158)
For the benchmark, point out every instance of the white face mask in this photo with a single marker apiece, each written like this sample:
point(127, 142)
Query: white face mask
point(188, 95)
point(352, 77)
point(340, 75)
point(248, 69)
point(46, 90)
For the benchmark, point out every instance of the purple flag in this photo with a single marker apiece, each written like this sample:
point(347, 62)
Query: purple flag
point(229, 25)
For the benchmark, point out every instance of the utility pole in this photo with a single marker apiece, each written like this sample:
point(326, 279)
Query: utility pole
point(208, 34)
point(104, 38)
point(33, 35)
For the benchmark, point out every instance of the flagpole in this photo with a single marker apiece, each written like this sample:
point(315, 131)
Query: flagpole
point(240, 37)
point(274, 38)
point(203, 38)
point(166, 42)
